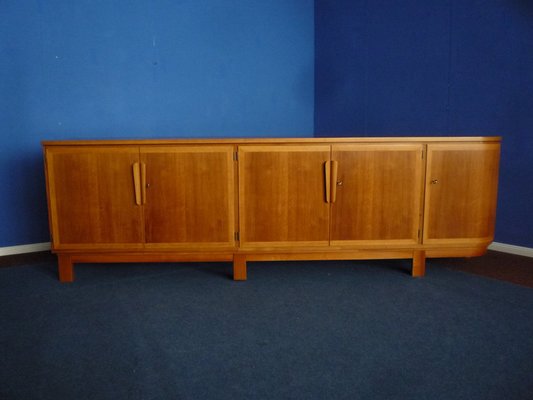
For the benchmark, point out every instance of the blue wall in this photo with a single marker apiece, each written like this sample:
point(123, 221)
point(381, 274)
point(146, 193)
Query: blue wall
point(189, 68)
point(139, 68)
point(421, 67)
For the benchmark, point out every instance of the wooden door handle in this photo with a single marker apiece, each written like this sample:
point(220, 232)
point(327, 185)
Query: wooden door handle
point(137, 183)
point(334, 168)
point(143, 183)
point(327, 178)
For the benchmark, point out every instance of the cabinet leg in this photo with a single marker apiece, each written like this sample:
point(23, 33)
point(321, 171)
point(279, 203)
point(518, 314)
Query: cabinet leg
point(65, 267)
point(239, 267)
point(419, 263)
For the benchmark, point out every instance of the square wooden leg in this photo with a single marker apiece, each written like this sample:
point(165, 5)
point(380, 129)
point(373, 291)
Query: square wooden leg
point(419, 263)
point(239, 267)
point(65, 267)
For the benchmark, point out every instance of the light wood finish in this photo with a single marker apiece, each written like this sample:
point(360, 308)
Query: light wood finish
point(379, 189)
point(461, 193)
point(282, 195)
point(143, 183)
point(327, 180)
point(239, 200)
point(280, 140)
point(189, 195)
point(239, 267)
point(65, 268)
point(419, 263)
point(450, 252)
point(92, 197)
point(328, 255)
point(137, 183)
point(333, 182)
point(149, 257)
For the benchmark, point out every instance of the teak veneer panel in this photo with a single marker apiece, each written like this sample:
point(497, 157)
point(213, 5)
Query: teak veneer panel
point(461, 192)
point(190, 195)
point(282, 195)
point(92, 197)
point(379, 189)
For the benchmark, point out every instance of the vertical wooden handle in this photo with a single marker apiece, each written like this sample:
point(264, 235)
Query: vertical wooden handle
point(334, 168)
point(137, 182)
point(143, 182)
point(327, 177)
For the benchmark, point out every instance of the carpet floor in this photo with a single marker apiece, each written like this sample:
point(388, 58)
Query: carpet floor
point(294, 330)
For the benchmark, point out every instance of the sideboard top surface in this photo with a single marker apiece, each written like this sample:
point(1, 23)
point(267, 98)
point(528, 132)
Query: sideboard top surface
point(280, 140)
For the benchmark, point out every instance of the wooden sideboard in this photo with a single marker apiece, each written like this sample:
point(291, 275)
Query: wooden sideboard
point(242, 200)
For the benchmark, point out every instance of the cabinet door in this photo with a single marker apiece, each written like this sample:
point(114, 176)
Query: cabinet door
point(189, 196)
point(378, 194)
point(92, 197)
point(461, 191)
point(282, 195)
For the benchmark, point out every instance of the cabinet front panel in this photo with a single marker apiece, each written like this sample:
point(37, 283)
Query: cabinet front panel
point(461, 192)
point(282, 198)
point(92, 197)
point(378, 194)
point(190, 196)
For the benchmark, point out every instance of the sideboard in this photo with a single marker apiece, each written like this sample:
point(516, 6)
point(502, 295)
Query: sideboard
point(240, 200)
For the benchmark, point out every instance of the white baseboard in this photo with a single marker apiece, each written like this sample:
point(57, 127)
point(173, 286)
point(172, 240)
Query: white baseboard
point(512, 249)
point(25, 248)
point(31, 248)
